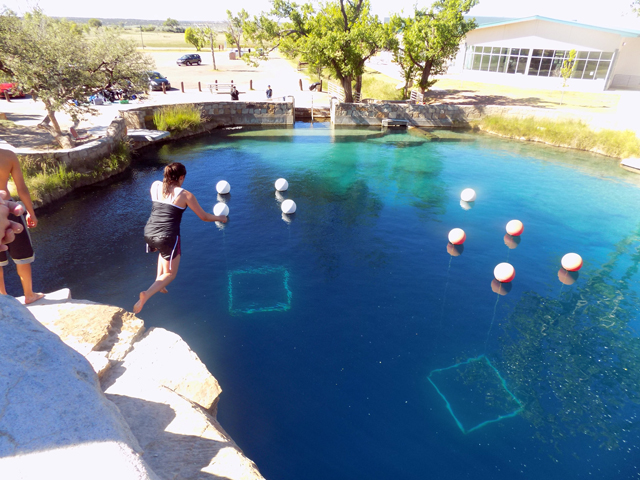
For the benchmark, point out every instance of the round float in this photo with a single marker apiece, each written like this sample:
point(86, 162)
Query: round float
point(500, 288)
point(223, 187)
point(468, 195)
point(281, 185)
point(221, 209)
point(515, 228)
point(288, 207)
point(466, 205)
point(566, 277)
point(504, 272)
point(571, 262)
point(457, 236)
point(455, 250)
point(511, 241)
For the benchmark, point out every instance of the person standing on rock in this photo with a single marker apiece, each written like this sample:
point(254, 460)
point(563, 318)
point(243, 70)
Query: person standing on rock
point(21, 249)
point(162, 232)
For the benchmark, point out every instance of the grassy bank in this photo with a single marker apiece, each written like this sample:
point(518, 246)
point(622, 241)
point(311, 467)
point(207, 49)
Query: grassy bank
point(565, 133)
point(176, 118)
point(46, 177)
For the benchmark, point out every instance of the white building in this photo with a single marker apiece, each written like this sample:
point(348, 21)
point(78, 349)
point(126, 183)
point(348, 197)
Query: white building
point(530, 51)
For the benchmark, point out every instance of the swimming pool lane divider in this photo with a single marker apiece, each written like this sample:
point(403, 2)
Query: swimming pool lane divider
point(504, 386)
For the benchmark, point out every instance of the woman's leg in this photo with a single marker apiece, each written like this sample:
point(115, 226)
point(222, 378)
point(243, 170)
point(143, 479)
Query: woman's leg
point(161, 271)
point(167, 275)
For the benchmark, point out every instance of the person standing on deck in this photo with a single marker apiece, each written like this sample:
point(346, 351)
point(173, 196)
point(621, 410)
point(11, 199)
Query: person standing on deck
point(162, 232)
point(20, 250)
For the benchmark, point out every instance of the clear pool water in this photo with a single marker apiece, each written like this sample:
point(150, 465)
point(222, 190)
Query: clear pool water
point(345, 339)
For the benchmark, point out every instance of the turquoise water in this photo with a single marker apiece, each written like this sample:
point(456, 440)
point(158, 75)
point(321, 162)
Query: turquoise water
point(344, 337)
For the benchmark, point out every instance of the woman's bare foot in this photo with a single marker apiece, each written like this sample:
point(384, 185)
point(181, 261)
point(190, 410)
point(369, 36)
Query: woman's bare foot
point(33, 298)
point(137, 308)
point(164, 290)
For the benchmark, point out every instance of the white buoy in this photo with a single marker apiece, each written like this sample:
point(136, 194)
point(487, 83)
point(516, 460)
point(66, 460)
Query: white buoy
point(223, 187)
point(282, 185)
point(466, 205)
point(468, 195)
point(221, 209)
point(288, 207)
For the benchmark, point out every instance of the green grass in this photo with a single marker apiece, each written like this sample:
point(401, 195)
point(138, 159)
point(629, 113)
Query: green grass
point(379, 86)
point(375, 85)
point(565, 133)
point(176, 118)
point(47, 175)
point(7, 124)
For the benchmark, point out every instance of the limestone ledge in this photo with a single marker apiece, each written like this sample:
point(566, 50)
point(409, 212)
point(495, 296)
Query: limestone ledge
point(143, 407)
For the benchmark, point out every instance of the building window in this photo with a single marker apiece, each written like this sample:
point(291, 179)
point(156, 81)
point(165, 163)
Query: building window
point(544, 63)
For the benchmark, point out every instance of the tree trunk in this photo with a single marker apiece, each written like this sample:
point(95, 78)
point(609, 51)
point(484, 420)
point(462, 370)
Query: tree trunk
point(346, 86)
point(65, 141)
point(424, 78)
point(213, 55)
point(359, 85)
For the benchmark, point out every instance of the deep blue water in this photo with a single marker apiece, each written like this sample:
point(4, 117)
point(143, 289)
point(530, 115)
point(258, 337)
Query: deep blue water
point(323, 330)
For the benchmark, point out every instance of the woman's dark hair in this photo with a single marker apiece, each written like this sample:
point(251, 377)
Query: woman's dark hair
point(172, 174)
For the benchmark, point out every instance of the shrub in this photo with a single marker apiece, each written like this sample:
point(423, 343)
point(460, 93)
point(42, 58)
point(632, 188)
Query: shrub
point(565, 133)
point(47, 175)
point(176, 118)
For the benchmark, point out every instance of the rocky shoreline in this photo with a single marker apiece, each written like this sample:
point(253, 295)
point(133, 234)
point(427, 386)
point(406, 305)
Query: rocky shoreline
point(87, 392)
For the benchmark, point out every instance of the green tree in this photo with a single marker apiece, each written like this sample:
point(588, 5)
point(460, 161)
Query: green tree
point(171, 23)
point(195, 37)
point(341, 36)
point(568, 66)
point(62, 67)
point(94, 23)
point(428, 39)
point(235, 27)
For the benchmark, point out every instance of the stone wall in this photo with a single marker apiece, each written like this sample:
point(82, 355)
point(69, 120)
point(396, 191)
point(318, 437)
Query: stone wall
point(221, 113)
point(84, 156)
point(372, 114)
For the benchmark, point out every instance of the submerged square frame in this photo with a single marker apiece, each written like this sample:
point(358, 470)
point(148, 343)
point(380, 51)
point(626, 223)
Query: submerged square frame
point(502, 381)
point(277, 306)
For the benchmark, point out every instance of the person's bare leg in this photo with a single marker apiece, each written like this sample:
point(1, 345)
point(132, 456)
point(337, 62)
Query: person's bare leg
point(24, 272)
point(161, 272)
point(161, 282)
point(3, 290)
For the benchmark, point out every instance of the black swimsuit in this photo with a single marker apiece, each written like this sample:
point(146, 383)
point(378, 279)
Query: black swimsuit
point(162, 231)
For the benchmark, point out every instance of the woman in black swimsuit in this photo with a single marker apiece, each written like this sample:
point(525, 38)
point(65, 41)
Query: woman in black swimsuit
point(162, 232)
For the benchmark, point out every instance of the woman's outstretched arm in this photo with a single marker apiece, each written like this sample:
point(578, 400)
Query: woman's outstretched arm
point(193, 204)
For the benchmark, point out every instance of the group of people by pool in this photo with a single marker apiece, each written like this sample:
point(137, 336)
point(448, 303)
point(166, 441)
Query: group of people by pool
point(161, 233)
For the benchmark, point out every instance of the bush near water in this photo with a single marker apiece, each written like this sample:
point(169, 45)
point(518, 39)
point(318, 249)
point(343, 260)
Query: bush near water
point(176, 118)
point(565, 133)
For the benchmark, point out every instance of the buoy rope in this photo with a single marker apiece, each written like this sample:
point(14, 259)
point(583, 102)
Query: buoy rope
point(495, 307)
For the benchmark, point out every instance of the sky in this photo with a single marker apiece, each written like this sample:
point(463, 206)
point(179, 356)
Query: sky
point(609, 13)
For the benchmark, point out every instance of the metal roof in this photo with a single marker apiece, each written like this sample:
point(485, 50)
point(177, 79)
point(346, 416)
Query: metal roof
point(622, 33)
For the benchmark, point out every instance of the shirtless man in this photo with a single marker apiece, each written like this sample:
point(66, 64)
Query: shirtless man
point(20, 249)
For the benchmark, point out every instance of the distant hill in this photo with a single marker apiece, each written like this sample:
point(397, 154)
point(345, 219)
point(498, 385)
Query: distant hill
point(135, 22)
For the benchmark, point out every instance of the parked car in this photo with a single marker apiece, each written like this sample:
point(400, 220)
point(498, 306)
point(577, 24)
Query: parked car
point(190, 59)
point(11, 89)
point(156, 80)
